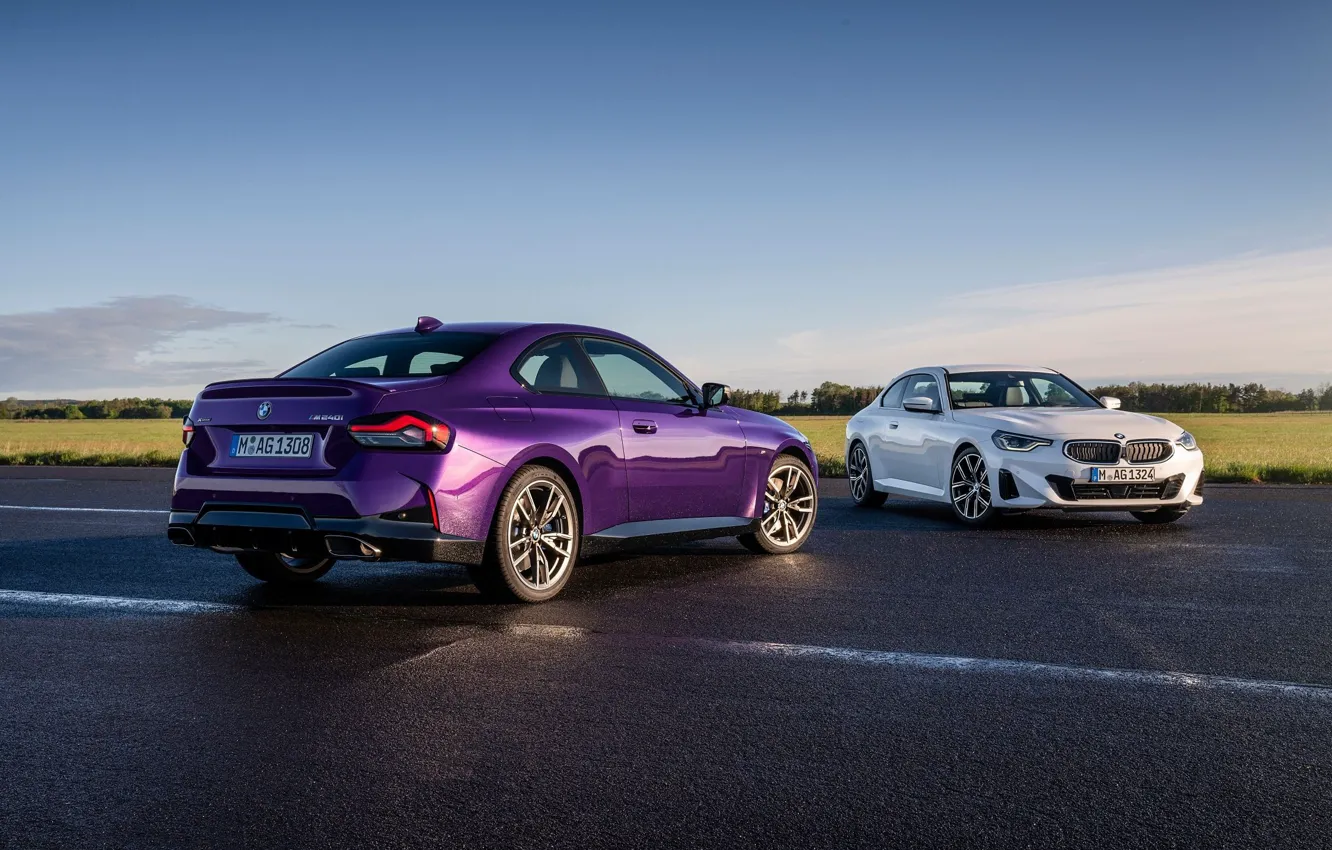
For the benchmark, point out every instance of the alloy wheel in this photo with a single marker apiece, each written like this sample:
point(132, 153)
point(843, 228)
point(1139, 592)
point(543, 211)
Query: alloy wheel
point(857, 469)
point(970, 486)
point(788, 505)
point(540, 535)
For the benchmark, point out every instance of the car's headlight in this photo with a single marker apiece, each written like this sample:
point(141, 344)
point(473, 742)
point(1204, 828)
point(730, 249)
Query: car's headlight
point(1186, 441)
point(1018, 442)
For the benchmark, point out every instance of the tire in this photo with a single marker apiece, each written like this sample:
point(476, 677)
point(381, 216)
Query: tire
point(790, 507)
point(275, 568)
point(1160, 516)
point(861, 479)
point(969, 489)
point(520, 555)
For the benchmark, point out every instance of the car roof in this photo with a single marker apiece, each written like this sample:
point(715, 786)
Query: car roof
point(502, 328)
point(995, 367)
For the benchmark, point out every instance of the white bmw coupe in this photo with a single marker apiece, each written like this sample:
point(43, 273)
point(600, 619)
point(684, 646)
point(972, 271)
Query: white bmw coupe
point(1002, 439)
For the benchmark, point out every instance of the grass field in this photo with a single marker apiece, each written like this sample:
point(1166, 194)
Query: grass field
point(1279, 447)
point(90, 442)
point(1294, 448)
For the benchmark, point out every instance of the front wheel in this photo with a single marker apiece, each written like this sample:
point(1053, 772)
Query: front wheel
point(534, 540)
point(860, 478)
point(969, 488)
point(790, 505)
point(276, 568)
point(1160, 516)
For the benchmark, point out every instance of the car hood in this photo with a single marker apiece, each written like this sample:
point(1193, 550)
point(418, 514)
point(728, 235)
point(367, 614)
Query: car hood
point(1086, 422)
point(762, 423)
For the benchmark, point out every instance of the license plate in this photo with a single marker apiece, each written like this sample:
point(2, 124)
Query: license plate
point(1119, 474)
point(271, 445)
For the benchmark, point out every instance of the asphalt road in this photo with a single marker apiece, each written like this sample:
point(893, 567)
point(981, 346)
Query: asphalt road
point(1062, 680)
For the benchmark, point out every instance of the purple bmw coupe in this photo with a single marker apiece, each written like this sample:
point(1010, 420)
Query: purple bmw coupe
point(512, 448)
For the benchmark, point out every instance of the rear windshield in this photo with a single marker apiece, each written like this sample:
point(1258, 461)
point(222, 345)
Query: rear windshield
point(404, 355)
point(1015, 389)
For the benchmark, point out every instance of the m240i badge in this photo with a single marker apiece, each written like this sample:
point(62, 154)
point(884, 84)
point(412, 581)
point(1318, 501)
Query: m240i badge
point(325, 417)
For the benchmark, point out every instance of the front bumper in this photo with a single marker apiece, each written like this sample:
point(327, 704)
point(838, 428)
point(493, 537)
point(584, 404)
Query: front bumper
point(1045, 478)
point(290, 530)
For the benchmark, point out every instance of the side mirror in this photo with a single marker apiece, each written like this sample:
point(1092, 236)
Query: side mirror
point(1110, 402)
point(715, 395)
point(921, 404)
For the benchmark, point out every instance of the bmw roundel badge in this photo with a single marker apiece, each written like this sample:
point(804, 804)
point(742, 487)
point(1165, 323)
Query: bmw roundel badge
point(262, 415)
point(265, 408)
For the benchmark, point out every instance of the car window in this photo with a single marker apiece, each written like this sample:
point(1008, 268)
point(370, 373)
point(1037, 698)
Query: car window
point(923, 386)
point(394, 355)
point(372, 367)
point(558, 366)
point(630, 373)
point(1015, 389)
point(893, 397)
point(434, 363)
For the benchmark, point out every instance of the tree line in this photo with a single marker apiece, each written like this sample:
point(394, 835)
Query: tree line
point(116, 408)
point(1216, 398)
point(832, 398)
point(827, 398)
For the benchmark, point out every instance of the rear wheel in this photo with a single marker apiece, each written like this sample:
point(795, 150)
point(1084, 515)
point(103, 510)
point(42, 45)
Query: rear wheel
point(276, 568)
point(534, 539)
point(861, 480)
point(1160, 516)
point(969, 488)
point(790, 505)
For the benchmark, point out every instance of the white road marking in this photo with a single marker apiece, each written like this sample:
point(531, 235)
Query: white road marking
point(82, 510)
point(963, 664)
point(115, 603)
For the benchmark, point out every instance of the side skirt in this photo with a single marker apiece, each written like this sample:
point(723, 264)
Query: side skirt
point(635, 535)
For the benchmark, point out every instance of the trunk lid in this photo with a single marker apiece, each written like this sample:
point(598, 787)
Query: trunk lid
point(319, 408)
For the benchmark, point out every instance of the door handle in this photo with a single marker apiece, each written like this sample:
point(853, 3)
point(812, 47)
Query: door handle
point(645, 426)
point(892, 425)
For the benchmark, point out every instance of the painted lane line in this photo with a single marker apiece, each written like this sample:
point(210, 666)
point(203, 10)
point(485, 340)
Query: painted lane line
point(958, 664)
point(116, 603)
point(1039, 669)
point(83, 510)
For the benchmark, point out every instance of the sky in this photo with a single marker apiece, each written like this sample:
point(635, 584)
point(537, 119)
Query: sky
point(770, 194)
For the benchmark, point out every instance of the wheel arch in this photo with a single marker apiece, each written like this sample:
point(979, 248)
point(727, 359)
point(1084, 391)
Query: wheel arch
point(967, 443)
point(557, 461)
point(801, 452)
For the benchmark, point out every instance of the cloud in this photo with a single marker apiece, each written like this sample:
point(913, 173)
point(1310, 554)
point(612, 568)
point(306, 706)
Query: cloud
point(122, 342)
point(1255, 314)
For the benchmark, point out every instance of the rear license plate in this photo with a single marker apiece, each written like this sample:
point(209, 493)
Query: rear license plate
point(1121, 474)
point(271, 445)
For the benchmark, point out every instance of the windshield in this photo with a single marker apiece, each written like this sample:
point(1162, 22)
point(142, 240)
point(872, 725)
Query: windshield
point(1015, 389)
point(402, 355)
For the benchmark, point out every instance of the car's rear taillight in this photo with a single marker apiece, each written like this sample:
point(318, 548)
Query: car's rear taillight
point(186, 432)
point(400, 431)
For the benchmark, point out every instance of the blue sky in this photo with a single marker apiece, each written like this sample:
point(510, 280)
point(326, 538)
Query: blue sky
point(769, 193)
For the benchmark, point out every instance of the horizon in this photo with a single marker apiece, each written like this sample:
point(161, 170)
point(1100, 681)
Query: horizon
point(769, 195)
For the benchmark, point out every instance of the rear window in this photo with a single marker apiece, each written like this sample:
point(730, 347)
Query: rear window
point(404, 355)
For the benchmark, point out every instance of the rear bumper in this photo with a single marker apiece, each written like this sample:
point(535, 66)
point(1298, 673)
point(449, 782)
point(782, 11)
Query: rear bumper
point(283, 528)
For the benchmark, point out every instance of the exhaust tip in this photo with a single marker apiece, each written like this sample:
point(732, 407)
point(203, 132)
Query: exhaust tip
point(180, 536)
point(353, 548)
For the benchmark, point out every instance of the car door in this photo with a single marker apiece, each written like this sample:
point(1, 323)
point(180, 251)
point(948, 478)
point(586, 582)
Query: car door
point(681, 462)
point(567, 405)
point(884, 419)
point(908, 441)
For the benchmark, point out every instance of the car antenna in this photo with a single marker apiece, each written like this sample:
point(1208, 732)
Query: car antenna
point(426, 324)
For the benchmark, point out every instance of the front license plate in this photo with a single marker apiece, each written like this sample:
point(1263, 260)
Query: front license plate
point(271, 445)
point(1119, 474)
